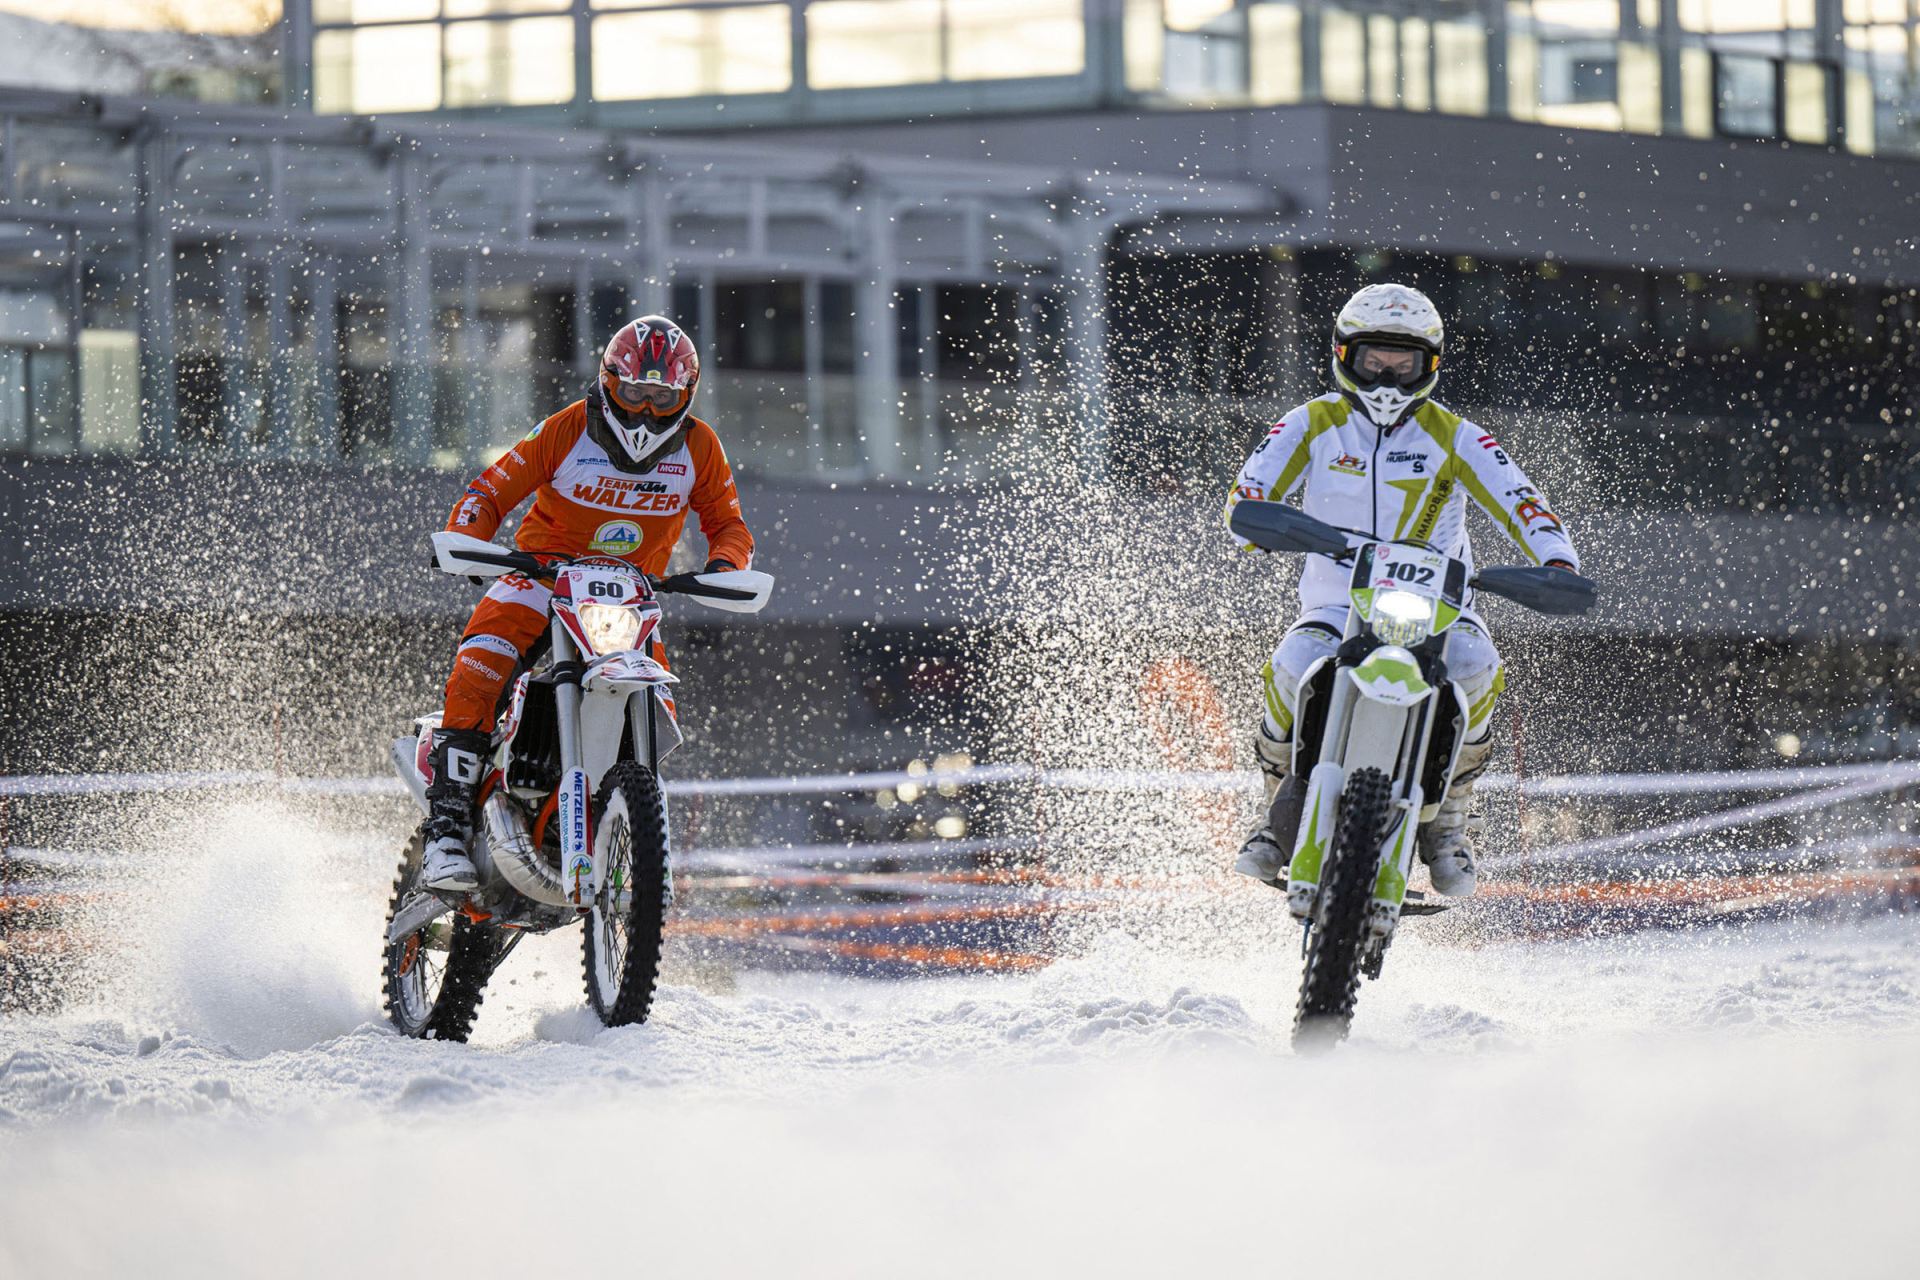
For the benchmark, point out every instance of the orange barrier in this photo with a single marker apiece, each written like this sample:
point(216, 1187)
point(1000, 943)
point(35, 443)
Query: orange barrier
point(1188, 719)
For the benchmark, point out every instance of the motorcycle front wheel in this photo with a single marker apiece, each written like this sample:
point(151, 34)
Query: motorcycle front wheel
point(622, 949)
point(1330, 980)
point(435, 977)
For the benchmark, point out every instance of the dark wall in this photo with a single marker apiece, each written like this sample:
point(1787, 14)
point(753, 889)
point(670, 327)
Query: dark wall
point(1451, 184)
point(306, 541)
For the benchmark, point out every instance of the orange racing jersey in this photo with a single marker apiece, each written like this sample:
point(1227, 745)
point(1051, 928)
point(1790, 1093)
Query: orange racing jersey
point(583, 504)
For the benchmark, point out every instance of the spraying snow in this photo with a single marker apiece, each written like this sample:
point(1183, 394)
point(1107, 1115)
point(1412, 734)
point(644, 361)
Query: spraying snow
point(1687, 1102)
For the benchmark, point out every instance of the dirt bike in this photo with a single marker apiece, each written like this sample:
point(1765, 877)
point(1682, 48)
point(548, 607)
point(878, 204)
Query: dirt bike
point(1377, 730)
point(571, 821)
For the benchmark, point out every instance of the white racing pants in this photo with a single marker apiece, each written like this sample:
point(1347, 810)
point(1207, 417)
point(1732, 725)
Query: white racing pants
point(1472, 661)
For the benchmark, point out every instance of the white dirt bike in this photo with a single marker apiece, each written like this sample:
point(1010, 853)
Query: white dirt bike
point(1377, 733)
point(571, 822)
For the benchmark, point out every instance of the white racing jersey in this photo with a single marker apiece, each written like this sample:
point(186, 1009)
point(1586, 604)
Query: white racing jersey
point(1407, 483)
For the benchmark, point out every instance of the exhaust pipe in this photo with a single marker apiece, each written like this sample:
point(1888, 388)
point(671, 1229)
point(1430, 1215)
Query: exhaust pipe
point(511, 851)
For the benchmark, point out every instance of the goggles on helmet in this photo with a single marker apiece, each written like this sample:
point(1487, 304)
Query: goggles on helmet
point(634, 397)
point(1371, 364)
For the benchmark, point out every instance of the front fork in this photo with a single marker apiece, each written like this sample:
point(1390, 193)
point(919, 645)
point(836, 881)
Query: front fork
point(1395, 860)
point(1320, 812)
point(579, 870)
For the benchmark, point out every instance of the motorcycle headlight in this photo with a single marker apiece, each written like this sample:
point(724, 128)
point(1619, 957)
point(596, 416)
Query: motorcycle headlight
point(1404, 618)
point(610, 628)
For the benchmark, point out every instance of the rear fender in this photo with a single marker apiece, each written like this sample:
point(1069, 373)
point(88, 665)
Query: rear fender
point(406, 763)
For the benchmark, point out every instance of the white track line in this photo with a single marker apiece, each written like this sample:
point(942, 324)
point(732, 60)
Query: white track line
point(1704, 824)
point(1121, 780)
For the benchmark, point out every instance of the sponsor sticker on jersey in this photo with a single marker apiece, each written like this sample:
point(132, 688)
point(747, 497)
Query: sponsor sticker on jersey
point(1402, 457)
point(672, 468)
point(1349, 465)
point(616, 538)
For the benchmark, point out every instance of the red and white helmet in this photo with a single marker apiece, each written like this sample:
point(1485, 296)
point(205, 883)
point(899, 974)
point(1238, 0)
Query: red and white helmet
point(648, 375)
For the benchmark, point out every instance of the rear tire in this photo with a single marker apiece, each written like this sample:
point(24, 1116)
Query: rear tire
point(435, 978)
point(622, 949)
point(1330, 979)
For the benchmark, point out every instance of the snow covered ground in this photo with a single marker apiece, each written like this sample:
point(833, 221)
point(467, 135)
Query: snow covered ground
point(1729, 1103)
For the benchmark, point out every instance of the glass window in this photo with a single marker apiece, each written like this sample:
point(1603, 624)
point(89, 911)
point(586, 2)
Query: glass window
point(511, 63)
point(1860, 113)
point(377, 69)
point(1746, 103)
point(1194, 15)
point(1146, 41)
point(109, 391)
point(761, 325)
point(1557, 16)
point(856, 43)
point(1383, 60)
point(1523, 77)
point(13, 398)
point(1343, 57)
point(1460, 68)
point(692, 53)
point(1727, 16)
point(1006, 39)
point(1274, 30)
point(1639, 77)
point(1416, 87)
point(50, 400)
point(1806, 104)
point(480, 8)
point(374, 10)
point(1696, 92)
point(1580, 83)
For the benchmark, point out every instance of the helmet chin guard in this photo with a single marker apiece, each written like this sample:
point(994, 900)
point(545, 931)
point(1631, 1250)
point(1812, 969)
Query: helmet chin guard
point(642, 447)
point(1385, 406)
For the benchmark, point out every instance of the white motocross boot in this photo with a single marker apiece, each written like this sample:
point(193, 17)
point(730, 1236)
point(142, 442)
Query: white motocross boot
point(1446, 843)
point(1269, 849)
point(455, 760)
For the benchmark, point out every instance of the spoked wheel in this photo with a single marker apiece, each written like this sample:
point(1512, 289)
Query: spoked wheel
point(1335, 947)
point(623, 928)
point(436, 976)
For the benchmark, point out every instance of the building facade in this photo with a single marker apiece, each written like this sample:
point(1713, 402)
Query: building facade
point(933, 249)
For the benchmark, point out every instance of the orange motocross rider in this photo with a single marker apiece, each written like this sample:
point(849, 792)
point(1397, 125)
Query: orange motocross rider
point(613, 474)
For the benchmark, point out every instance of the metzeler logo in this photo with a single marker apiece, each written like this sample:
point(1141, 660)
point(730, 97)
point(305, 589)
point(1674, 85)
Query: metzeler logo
point(616, 538)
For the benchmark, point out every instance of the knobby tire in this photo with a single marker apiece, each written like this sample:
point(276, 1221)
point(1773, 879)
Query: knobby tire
point(463, 981)
point(1330, 980)
point(636, 791)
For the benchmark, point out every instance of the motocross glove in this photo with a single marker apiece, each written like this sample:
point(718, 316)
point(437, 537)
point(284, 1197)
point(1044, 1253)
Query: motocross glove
point(717, 565)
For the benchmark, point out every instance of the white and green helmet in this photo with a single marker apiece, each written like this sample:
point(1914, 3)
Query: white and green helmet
point(1387, 345)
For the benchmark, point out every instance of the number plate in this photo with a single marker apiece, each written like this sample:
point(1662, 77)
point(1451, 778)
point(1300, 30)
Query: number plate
point(1401, 568)
point(600, 584)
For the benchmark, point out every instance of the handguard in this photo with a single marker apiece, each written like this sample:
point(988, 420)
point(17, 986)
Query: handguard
point(1557, 591)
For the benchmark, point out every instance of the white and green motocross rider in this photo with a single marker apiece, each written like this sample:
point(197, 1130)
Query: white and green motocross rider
point(1379, 457)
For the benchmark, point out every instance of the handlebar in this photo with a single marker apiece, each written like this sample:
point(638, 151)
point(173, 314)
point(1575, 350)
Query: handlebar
point(1275, 526)
point(735, 590)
